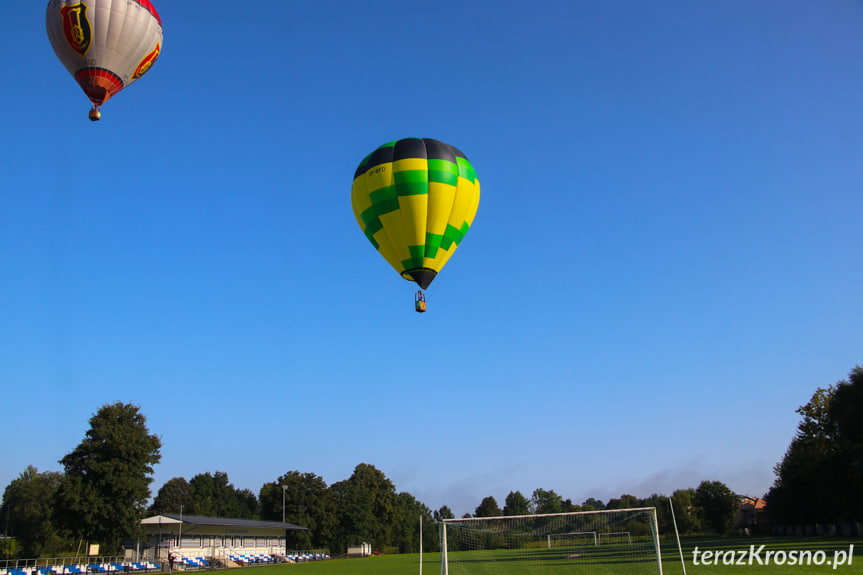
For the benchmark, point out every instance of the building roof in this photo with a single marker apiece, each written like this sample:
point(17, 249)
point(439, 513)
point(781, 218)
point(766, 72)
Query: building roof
point(166, 519)
point(753, 502)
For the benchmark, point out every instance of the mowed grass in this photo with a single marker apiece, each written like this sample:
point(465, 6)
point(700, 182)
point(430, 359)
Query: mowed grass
point(409, 564)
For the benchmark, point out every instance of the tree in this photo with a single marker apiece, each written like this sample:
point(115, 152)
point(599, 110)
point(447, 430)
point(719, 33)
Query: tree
point(443, 513)
point(28, 506)
point(717, 504)
point(365, 508)
point(685, 513)
point(516, 504)
point(846, 413)
point(174, 497)
point(806, 481)
point(623, 502)
point(543, 501)
point(487, 508)
point(412, 514)
point(591, 504)
point(307, 503)
point(371, 481)
point(663, 514)
point(817, 478)
point(107, 477)
point(9, 548)
point(215, 496)
point(355, 518)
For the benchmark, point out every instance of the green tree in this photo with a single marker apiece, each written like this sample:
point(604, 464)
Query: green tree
point(487, 508)
point(107, 477)
point(806, 482)
point(28, 504)
point(413, 516)
point(355, 518)
point(174, 497)
point(443, 513)
point(591, 504)
point(365, 508)
point(846, 413)
point(215, 496)
point(817, 479)
point(516, 504)
point(717, 505)
point(685, 514)
point(543, 501)
point(663, 513)
point(307, 503)
point(623, 502)
point(10, 548)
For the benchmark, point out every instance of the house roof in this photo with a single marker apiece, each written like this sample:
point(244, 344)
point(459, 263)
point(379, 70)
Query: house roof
point(753, 502)
point(166, 518)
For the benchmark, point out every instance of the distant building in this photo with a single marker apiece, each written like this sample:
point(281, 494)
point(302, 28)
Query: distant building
point(361, 550)
point(191, 536)
point(751, 511)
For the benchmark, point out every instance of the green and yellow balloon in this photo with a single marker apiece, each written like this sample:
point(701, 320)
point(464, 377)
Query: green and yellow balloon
point(415, 200)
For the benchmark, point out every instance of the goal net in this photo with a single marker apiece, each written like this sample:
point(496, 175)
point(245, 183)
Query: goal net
point(618, 541)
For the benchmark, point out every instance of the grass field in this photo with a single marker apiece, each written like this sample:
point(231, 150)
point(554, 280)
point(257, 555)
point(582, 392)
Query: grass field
point(831, 549)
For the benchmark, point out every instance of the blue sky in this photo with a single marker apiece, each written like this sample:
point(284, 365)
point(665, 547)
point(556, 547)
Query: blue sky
point(665, 262)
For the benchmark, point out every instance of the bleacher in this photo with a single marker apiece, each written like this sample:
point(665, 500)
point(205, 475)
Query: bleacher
point(194, 562)
point(185, 563)
point(106, 567)
point(251, 559)
point(142, 566)
point(127, 567)
point(70, 569)
point(301, 557)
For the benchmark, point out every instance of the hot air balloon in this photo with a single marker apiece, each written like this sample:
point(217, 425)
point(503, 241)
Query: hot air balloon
point(105, 44)
point(415, 200)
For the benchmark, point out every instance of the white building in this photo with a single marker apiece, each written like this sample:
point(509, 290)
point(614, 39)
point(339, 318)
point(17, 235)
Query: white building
point(191, 536)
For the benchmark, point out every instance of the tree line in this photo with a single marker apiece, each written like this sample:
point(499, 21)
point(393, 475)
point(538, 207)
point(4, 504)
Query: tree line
point(104, 490)
point(102, 495)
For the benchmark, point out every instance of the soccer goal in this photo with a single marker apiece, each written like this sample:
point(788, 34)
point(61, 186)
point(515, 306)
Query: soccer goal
point(613, 542)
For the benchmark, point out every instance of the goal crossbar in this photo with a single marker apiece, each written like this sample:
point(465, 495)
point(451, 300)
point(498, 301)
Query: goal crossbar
point(543, 515)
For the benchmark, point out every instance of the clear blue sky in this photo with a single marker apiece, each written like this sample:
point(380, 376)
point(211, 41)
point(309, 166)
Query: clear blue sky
point(665, 264)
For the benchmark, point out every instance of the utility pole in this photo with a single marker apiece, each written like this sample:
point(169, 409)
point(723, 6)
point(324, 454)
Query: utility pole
point(284, 488)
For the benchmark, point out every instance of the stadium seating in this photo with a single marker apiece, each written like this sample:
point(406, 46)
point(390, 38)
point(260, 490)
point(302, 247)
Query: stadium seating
point(300, 557)
point(251, 559)
point(132, 567)
point(194, 561)
point(106, 567)
point(142, 566)
point(69, 569)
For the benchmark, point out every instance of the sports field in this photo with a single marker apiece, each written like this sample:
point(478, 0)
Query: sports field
point(803, 550)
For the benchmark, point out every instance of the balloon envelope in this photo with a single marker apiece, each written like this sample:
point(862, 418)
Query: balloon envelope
point(415, 200)
point(105, 44)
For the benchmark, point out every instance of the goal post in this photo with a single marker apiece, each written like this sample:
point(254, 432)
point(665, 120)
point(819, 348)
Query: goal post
point(560, 539)
point(611, 541)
